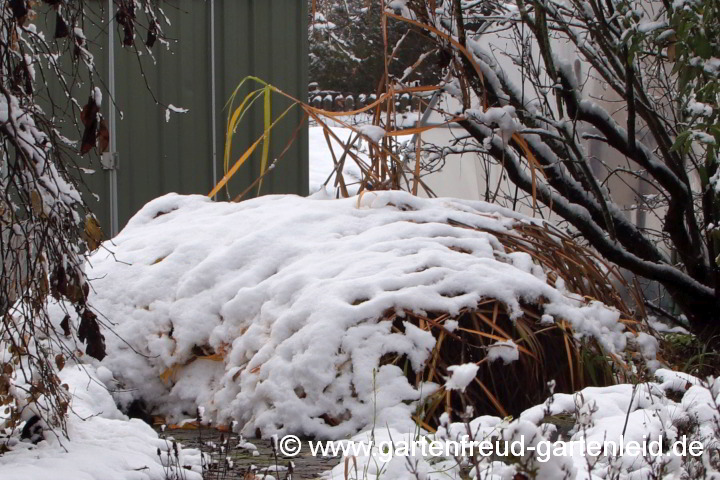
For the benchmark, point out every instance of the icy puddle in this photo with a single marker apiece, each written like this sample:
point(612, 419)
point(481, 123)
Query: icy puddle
point(249, 458)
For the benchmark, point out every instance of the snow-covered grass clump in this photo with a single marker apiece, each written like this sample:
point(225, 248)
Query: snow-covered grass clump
point(281, 312)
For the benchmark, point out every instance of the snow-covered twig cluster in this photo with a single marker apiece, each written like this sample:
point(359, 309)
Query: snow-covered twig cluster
point(45, 228)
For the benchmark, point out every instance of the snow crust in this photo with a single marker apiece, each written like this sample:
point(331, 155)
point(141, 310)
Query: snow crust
point(266, 311)
point(503, 117)
point(373, 132)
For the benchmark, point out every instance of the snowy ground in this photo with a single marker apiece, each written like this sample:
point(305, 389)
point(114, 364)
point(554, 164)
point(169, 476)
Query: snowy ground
point(322, 167)
point(102, 443)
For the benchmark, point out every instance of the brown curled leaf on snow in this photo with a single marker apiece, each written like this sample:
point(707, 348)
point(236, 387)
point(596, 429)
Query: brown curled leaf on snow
point(65, 325)
point(58, 283)
point(68, 285)
point(168, 374)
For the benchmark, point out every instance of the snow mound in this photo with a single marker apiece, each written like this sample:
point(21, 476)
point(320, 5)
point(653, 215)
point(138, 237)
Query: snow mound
point(505, 350)
point(273, 312)
point(102, 443)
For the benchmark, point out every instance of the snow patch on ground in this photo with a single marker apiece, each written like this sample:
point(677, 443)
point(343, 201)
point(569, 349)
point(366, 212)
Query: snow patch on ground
point(102, 443)
point(373, 132)
point(322, 166)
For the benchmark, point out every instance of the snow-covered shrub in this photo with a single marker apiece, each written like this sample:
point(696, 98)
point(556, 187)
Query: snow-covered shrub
point(318, 317)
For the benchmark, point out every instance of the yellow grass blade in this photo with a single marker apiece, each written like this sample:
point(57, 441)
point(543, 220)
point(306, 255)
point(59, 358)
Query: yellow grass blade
point(235, 167)
point(570, 362)
point(267, 117)
point(246, 155)
point(234, 119)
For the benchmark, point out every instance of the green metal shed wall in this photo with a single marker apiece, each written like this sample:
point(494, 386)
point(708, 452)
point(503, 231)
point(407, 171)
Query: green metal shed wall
point(264, 38)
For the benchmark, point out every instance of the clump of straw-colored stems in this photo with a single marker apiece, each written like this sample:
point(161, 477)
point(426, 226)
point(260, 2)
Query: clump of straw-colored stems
point(385, 167)
point(546, 351)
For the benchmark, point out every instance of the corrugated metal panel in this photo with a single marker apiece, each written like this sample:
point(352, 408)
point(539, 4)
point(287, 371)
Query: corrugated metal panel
point(159, 156)
point(265, 38)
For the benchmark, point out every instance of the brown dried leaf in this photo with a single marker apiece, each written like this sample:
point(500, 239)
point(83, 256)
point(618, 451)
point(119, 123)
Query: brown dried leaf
point(36, 202)
point(60, 361)
point(152, 35)
point(65, 325)
point(61, 27)
point(89, 139)
point(93, 234)
point(19, 9)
